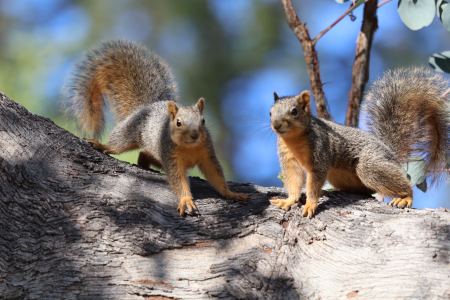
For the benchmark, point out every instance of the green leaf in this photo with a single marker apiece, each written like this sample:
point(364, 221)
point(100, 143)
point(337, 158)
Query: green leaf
point(416, 14)
point(440, 61)
point(417, 173)
point(443, 12)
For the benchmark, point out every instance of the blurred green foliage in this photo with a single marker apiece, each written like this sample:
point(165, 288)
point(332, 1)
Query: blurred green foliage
point(233, 53)
point(39, 50)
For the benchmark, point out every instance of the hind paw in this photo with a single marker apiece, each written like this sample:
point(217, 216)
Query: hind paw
point(401, 202)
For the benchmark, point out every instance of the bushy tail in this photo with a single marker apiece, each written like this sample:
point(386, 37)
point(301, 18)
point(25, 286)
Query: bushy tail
point(124, 73)
point(84, 99)
point(408, 110)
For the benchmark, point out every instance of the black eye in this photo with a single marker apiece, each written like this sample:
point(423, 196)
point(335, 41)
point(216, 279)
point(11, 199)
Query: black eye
point(270, 114)
point(294, 111)
point(203, 121)
point(178, 122)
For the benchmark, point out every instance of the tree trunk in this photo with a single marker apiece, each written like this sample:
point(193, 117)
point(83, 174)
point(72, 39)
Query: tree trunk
point(75, 223)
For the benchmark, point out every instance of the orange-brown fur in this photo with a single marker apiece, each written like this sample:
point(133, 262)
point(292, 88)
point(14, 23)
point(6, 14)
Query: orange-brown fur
point(299, 146)
point(188, 157)
point(292, 174)
point(93, 118)
point(118, 73)
point(199, 155)
point(107, 149)
point(346, 180)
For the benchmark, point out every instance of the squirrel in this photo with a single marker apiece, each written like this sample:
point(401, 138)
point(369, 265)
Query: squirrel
point(141, 90)
point(407, 111)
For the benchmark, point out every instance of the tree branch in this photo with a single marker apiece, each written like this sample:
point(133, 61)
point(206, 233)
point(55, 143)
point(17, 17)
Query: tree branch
point(360, 71)
point(340, 18)
point(75, 223)
point(310, 54)
point(383, 3)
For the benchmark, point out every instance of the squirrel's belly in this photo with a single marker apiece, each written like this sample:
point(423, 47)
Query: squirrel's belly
point(346, 180)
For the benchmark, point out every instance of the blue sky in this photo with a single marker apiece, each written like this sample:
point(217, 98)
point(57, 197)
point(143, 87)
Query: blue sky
point(61, 25)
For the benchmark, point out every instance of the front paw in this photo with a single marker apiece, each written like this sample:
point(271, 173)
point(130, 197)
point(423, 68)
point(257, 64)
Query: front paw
point(309, 209)
point(237, 196)
point(283, 203)
point(186, 202)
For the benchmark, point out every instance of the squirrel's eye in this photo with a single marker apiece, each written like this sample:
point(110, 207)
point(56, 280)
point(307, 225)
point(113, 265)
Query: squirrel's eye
point(294, 111)
point(270, 114)
point(203, 121)
point(178, 122)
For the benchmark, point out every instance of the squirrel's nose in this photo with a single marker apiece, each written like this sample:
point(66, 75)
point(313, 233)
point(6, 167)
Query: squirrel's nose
point(194, 135)
point(276, 125)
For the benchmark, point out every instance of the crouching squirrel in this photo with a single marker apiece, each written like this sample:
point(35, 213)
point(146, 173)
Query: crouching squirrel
point(407, 111)
point(141, 91)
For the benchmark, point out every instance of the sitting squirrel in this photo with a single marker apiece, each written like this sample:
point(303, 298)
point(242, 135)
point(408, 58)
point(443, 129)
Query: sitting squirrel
point(408, 114)
point(140, 89)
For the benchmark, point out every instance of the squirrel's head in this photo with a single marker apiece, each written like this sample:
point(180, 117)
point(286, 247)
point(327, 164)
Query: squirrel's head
point(290, 115)
point(187, 124)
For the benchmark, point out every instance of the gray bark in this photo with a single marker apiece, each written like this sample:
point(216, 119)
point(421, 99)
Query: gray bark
point(75, 223)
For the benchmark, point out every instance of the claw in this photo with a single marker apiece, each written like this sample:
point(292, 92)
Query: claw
point(309, 209)
point(186, 202)
point(282, 203)
point(98, 146)
point(401, 202)
point(94, 143)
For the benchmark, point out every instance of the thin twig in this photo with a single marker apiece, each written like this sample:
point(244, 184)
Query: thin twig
point(360, 71)
point(383, 3)
point(310, 54)
point(346, 12)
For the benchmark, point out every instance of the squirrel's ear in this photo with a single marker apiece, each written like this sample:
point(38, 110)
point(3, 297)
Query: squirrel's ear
point(303, 100)
point(200, 104)
point(275, 97)
point(173, 109)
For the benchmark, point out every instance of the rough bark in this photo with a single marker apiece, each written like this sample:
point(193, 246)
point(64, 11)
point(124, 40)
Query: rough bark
point(312, 61)
point(360, 71)
point(75, 223)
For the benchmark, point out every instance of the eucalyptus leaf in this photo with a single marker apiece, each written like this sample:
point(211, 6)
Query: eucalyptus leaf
point(417, 173)
point(443, 12)
point(440, 61)
point(416, 14)
point(422, 186)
